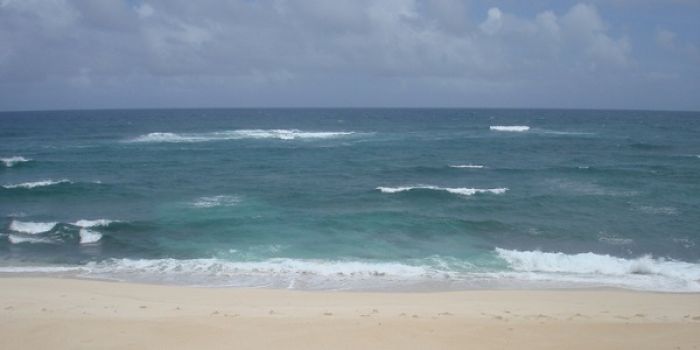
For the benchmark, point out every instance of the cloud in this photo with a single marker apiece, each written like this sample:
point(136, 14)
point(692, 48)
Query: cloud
point(412, 47)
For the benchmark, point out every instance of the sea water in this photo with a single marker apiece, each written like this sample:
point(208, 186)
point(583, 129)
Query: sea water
point(354, 199)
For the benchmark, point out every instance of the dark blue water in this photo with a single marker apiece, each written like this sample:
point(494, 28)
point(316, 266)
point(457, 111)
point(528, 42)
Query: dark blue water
point(354, 198)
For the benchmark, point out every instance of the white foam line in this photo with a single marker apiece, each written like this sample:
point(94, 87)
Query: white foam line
point(279, 134)
point(43, 183)
point(12, 161)
point(459, 190)
point(509, 128)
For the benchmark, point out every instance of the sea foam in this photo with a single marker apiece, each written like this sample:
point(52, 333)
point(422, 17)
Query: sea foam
point(18, 239)
point(280, 134)
point(459, 190)
point(12, 161)
point(31, 227)
point(43, 183)
point(467, 166)
point(89, 236)
point(509, 128)
point(93, 223)
point(644, 272)
point(216, 201)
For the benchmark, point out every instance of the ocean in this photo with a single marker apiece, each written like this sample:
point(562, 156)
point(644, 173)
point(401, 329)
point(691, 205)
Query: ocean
point(354, 199)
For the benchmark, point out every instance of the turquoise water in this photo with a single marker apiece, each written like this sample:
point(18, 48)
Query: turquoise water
point(354, 198)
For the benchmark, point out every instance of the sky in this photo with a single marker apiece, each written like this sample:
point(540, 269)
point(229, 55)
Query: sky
point(86, 54)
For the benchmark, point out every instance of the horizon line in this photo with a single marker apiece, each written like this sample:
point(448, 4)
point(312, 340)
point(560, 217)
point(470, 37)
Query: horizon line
point(347, 108)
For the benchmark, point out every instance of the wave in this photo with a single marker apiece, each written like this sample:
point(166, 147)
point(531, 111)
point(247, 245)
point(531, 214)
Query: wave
point(645, 272)
point(459, 190)
point(467, 166)
point(280, 134)
point(12, 161)
point(509, 128)
point(216, 201)
point(89, 236)
point(18, 239)
point(31, 227)
point(43, 183)
point(94, 223)
point(530, 269)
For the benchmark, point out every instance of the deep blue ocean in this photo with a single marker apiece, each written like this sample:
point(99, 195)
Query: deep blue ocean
point(360, 199)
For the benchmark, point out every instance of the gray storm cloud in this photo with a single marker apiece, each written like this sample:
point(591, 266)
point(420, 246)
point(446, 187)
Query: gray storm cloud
point(87, 54)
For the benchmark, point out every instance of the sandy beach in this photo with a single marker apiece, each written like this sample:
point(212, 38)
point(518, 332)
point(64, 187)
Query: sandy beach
point(42, 313)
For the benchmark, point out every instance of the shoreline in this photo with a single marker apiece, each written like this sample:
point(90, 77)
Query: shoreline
point(69, 313)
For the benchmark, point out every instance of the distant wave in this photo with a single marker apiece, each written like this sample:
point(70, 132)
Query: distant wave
point(12, 161)
point(459, 190)
point(564, 133)
point(509, 128)
point(280, 134)
point(467, 166)
point(31, 227)
point(216, 201)
point(89, 236)
point(645, 272)
point(43, 183)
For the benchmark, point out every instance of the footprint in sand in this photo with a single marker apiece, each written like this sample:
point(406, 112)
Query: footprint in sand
point(445, 314)
point(143, 307)
point(327, 314)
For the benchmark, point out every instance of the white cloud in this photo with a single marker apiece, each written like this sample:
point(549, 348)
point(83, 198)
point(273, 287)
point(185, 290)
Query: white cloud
point(411, 44)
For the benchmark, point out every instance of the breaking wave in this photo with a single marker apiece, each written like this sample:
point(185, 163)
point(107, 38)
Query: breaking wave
point(12, 161)
point(89, 236)
point(467, 166)
point(279, 134)
point(216, 201)
point(463, 191)
point(644, 272)
point(94, 223)
point(43, 183)
point(31, 227)
point(509, 128)
point(19, 239)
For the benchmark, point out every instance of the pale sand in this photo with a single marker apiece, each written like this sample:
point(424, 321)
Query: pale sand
point(42, 313)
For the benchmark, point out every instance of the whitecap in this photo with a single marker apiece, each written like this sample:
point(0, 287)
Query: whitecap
point(216, 201)
point(17, 239)
point(89, 236)
point(12, 161)
point(659, 210)
point(467, 166)
point(94, 223)
point(43, 183)
point(459, 190)
point(509, 128)
point(280, 134)
point(31, 227)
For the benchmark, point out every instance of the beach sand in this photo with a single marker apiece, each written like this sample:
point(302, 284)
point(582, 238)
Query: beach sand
point(48, 313)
